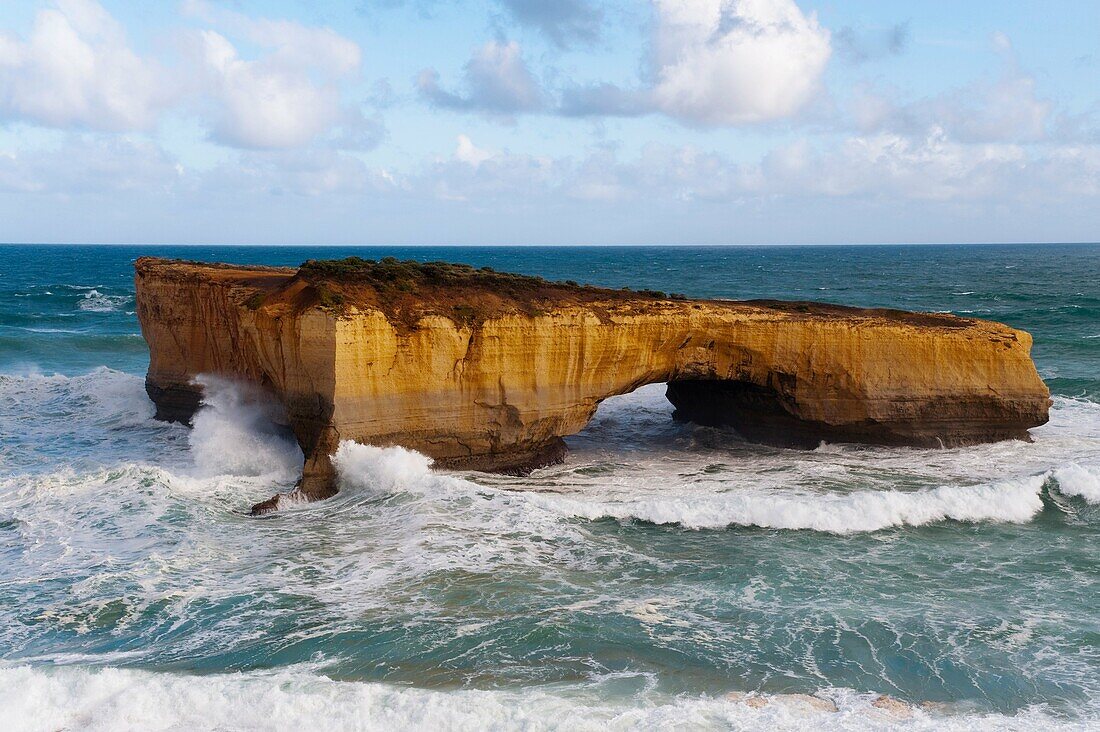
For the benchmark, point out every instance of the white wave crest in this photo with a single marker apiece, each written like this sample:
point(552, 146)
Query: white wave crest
point(380, 469)
point(1078, 480)
point(395, 469)
point(96, 302)
point(235, 433)
point(862, 511)
point(86, 700)
point(102, 396)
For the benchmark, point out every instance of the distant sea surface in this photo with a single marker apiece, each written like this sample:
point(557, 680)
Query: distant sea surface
point(650, 582)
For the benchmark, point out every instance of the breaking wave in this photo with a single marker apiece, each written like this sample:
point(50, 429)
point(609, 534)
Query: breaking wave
point(395, 469)
point(836, 489)
point(116, 699)
point(236, 432)
point(386, 470)
point(95, 301)
point(101, 396)
point(1077, 480)
point(1011, 501)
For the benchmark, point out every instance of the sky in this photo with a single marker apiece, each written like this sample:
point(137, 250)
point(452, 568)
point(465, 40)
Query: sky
point(549, 121)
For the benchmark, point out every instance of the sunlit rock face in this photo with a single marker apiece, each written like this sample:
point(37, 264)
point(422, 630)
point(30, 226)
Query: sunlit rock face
point(488, 371)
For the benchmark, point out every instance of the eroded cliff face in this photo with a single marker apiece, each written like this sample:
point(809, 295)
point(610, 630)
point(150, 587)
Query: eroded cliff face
point(489, 371)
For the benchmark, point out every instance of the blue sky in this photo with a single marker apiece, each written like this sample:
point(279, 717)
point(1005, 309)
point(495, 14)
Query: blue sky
point(549, 121)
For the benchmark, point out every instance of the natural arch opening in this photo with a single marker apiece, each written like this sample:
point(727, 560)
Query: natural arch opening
point(632, 421)
point(758, 413)
point(648, 413)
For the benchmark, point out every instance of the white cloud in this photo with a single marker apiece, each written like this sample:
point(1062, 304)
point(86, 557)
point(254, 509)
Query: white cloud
point(875, 187)
point(260, 104)
point(934, 168)
point(487, 178)
point(469, 153)
point(91, 165)
point(288, 95)
point(292, 44)
point(1007, 109)
point(729, 62)
point(993, 156)
point(75, 69)
point(719, 63)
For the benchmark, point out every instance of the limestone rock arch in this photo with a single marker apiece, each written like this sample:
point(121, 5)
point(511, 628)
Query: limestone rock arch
point(479, 372)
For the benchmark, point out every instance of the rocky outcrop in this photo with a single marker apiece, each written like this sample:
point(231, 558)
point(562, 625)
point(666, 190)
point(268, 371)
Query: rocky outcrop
point(488, 371)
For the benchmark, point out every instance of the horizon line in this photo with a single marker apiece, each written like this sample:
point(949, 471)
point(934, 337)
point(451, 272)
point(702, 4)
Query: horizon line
point(555, 246)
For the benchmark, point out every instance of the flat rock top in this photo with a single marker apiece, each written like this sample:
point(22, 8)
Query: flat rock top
point(407, 290)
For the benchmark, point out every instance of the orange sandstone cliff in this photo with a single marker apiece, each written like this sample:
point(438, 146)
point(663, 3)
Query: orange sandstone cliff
point(488, 371)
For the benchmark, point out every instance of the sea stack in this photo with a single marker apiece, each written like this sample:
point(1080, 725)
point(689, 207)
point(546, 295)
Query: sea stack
point(483, 370)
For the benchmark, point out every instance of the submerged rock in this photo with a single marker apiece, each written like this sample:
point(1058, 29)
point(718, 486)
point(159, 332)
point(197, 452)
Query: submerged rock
point(807, 702)
point(816, 703)
point(756, 701)
point(894, 707)
point(482, 370)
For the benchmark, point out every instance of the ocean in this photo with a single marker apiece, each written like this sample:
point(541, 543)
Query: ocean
point(659, 575)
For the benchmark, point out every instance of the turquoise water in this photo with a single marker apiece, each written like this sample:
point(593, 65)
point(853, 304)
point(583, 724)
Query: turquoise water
point(660, 569)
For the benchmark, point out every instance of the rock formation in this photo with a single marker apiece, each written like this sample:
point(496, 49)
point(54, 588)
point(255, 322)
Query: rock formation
point(488, 371)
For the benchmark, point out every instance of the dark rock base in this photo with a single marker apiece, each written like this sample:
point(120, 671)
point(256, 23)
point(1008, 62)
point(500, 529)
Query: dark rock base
point(760, 414)
point(518, 463)
point(175, 403)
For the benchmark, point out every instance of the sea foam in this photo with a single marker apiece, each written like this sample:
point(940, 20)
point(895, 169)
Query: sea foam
point(366, 467)
point(1014, 501)
point(90, 700)
point(395, 469)
point(1078, 480)
point(95, 301)
point(236, 432)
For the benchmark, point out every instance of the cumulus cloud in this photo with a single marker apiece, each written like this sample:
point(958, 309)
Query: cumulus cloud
point(497, 81)
point(719, 63)
point(934, 168)
point(930, 170)
point(996, 153)
point(486, 178)
point(469, 153)
point(258, 104)
point(75, 69)
point(291, 44)
point(728, 62)
point(288, 96)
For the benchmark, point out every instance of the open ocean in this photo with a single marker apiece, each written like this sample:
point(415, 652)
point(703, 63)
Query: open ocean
point(660, 569)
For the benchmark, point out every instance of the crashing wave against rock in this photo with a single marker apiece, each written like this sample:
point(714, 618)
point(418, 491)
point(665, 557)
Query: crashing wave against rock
point(484, 370)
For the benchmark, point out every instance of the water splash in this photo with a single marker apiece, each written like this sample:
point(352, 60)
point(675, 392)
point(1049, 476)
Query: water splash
point(240, 430)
